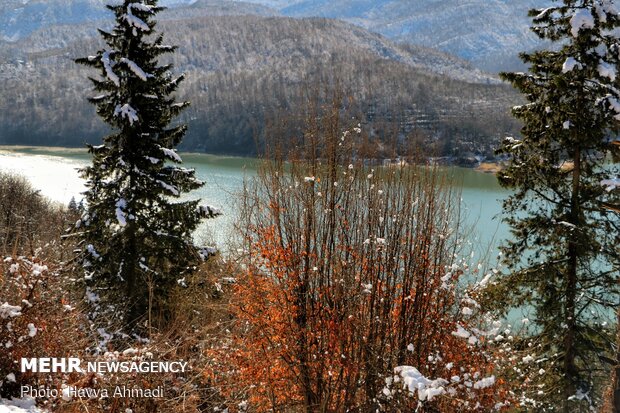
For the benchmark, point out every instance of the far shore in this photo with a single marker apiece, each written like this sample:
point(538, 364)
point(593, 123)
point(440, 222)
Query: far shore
point(489, 167)
point(483, 167)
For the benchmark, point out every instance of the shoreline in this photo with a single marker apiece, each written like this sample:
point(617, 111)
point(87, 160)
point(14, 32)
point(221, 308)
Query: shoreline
point(489, 167)
point(67, 150)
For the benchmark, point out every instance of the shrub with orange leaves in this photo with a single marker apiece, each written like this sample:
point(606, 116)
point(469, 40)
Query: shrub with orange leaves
point(352, 273)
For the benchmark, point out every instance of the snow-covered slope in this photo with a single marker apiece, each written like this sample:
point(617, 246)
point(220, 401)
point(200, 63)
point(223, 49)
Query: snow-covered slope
point(242, 70)
point(489, 33)
point(20, 18)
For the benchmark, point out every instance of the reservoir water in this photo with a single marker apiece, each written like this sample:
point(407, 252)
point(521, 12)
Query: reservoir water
point(53, 171)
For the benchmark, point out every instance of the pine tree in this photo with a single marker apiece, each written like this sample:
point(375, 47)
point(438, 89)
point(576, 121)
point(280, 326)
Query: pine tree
point(73, 206)
point(136, 239)
point(564, 246)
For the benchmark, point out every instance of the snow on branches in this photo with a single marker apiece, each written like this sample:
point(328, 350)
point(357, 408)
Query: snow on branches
point(135, 69)
point(133, 20)
point(126, 112)
point(107, 66)
point(582, 19)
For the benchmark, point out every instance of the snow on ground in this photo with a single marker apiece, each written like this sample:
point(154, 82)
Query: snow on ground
point(19, 406)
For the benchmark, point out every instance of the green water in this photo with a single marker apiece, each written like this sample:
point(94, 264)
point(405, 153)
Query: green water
point(54, 172)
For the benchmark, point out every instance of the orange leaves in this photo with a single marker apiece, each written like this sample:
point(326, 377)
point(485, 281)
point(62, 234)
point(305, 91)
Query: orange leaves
point(345, 280)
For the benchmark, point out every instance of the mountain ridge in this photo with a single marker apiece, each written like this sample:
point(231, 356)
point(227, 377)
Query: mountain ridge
point(251, 69)
point(489, 33)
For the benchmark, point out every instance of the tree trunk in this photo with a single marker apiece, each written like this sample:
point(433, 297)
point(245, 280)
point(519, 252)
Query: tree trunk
point(616, 375)
point(301, 319)
point(570, 370)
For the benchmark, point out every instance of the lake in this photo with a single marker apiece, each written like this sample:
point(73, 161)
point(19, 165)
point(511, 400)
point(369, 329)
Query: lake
point(53, 171)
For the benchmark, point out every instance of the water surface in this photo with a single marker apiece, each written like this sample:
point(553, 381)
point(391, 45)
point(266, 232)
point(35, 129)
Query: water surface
point(54, 171)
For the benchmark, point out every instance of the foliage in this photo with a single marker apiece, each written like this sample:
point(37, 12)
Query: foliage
point(135, 239)
point(564, 243)
point(350, 273)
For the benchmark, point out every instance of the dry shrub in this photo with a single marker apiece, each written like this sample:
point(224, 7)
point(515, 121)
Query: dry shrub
point(199, 316)
point(351, 270)
point(38, 320)
point(30, 224)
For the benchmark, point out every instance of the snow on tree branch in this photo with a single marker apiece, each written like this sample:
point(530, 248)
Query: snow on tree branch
point(570, 64)
point(207, 211)
point(611, 184)
point(126, 112)
point(137, 70)
point(107, 65)
point(171, 154)
point(607, 70)
point(121, 204)
point(135, 21)
point(582, 19)
point(141, 7)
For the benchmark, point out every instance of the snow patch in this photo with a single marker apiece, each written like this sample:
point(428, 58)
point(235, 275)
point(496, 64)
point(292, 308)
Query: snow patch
point(91, 297)
point(27, 405)
point(107, 65)
point(484, 383)
point(611, 184)
point(570, 64)
point(9, 311)
point(126, 112)
point(607, 70)
point(582, 19)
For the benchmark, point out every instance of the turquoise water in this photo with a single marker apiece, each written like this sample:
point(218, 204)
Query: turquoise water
point(53, 171)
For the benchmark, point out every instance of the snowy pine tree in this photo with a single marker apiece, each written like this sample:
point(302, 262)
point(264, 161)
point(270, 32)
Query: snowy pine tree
point(564, 244)
point(136, 238)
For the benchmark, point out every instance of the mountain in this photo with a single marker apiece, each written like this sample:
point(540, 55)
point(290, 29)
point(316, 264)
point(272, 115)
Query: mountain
point(489, 33)
point(244, 70)
point(20, 18)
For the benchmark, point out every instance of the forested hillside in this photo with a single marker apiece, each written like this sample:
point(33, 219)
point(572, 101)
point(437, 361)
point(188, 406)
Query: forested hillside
point(489, 33)
point(244, 70)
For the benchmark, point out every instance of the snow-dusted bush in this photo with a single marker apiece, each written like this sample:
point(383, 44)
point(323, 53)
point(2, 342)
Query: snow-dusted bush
point(28, 221)
point(352, 270)
point(37, 319)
